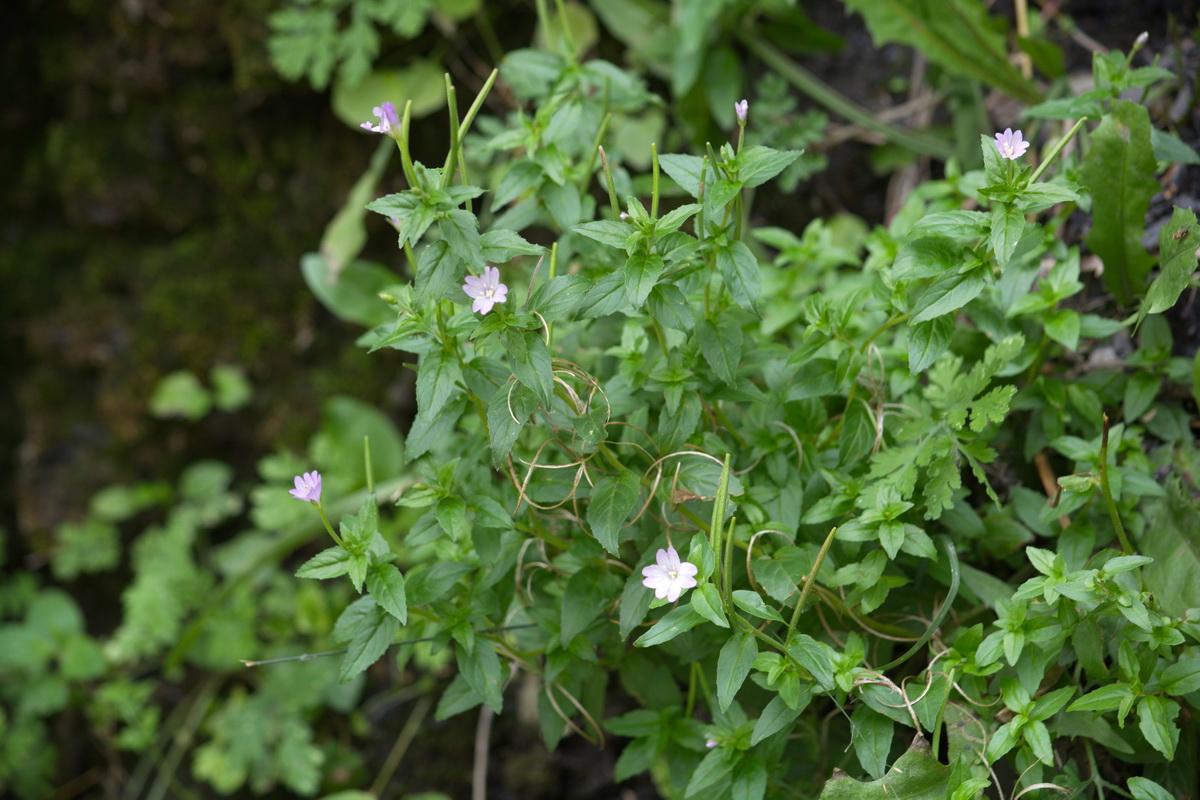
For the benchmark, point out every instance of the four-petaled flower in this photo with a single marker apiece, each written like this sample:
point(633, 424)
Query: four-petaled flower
point(389, 122)
point(1010, 144)
point(742, 109)
point(670, 576)
point(308, 487)
point(485, 291)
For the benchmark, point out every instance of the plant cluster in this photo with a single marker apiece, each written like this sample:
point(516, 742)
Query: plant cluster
point(905, 512)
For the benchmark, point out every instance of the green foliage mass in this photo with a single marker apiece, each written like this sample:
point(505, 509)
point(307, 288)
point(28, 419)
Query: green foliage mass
point(935, 552)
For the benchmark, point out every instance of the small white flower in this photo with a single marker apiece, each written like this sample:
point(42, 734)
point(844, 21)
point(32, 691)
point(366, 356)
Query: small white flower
point(742, 109)
point(485, 291)
point(670, 576)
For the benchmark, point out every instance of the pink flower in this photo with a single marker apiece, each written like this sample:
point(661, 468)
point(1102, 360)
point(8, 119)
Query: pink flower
point(308, 487)
point(670, 576)
point(485, 291)
point(623, 216)
point(742, 109)
point(389, 122)
point(1010, 145)
point(711, 743)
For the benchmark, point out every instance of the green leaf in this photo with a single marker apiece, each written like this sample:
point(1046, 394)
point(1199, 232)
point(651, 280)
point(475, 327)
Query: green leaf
point(676, 621)
point(460, 229)
point(752, 603)
point(1146, 789)
point(927, 257)
point(949, 293)
point(329, 563)
point(1008, 223)
point(1140, 391)
point(733, 665)
point(927, 341)
point(858, 433)
point(777, 716)
point(534, 369)
point(607, 232)
point(1063, 326)
point(439, 274)
point(740, 271)
point(673, 220)
point(813, 656)
point(607, 296)
point(871, 735)
point(613, 500)
point(1182, 677)
point(1177, 243)
point(483, 673)
point(559, 296)
point(509, 409)
point(707, 602)
point(684, 170)
point(721, 345)
point(451, 514)
point(749, 779)
point(715, 768)
point(386, 585)
point(757, 164)
point(641, 273)
point(1172, 538)
point(916, 775)
point(180, 394)
point(437, 377)
point(374, 635)
point(583, 600)
point(1156, 721)
point(1118, 170)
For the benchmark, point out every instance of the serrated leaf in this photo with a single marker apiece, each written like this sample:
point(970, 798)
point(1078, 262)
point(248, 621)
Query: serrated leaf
point(752, 603)
point(949, 293)
point(640, 274)
point(871, 735)
point(437, 377)
point(386, 585)
point(374, 635)
point(707, 602)
point(613, 500)
point(1008, 223)
point(739, 269)
point(813, 656)
point(721, 345)
point(329, 563)
point(775, 717)
point(460, 229)
point(483, 673)
point(927, 341)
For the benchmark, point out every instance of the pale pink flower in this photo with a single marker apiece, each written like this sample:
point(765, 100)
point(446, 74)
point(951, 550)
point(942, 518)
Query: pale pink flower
point(485, 291)
point(742, 109)
point(670, 577)
point(308, 487)
point(1010, 144)
point(389, 122)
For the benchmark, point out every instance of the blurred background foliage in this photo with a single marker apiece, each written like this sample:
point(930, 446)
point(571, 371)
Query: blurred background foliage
point(167, 165)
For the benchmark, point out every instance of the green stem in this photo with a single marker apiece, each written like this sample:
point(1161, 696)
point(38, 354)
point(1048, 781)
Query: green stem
point(406, 162)
point(367, 462)
point(811, 579)
point(654, 190)
point(694, 677)
point(1107, 491)
point(465, 125)
point(452, 156)
point(612, 194)
point(568, 36)
point(952, 555)
point(325, 520)
point(727, 568)
point(1055, 150)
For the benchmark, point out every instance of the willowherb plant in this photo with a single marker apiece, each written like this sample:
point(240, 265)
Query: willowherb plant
point(800, 489)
